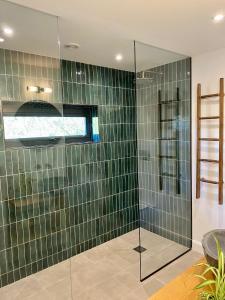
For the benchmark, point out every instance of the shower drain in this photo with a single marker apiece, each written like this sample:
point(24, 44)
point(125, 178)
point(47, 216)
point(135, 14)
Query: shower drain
point(139, 249)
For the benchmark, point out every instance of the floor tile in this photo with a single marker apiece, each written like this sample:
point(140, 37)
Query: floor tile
point(107, 272)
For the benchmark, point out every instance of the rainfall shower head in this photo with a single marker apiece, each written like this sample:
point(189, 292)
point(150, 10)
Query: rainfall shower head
point(148, 75)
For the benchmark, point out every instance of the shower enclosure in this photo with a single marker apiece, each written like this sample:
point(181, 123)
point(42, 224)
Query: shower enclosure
point(90, 149)
point(163, 100)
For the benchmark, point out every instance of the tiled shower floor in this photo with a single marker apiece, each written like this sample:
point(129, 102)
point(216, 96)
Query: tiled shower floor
point(109, 271)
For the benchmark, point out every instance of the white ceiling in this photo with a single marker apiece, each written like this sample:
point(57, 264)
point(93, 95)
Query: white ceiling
point(106, 27)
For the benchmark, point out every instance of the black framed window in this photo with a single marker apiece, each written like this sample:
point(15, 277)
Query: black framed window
point(41, 123)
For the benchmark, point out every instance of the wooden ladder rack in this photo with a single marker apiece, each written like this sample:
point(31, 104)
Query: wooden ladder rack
point(218, 140)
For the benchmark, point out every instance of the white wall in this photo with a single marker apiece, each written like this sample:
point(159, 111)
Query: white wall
point(207, 68)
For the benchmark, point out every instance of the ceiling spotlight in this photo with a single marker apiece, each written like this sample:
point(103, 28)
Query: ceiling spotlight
point(1, 40)
point(218, 18)
point(8, 31)
point(119, 57)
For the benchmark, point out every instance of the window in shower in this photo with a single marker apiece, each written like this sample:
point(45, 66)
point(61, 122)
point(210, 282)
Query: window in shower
point(42, 123)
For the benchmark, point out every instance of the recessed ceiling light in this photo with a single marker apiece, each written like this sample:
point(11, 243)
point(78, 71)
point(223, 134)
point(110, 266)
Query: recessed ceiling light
point(1, 40)
point(8, 31)
point(119, 57)
point(218, 18)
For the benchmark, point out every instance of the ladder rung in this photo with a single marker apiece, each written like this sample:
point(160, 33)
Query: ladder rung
point(209, 96)
point(167, 156)
point(168, 120)
point(167, 139)
point(209, 139)
point(168, 102)
point(209, 160)
point(209, 118)
point(209, 181)
point(168, 175)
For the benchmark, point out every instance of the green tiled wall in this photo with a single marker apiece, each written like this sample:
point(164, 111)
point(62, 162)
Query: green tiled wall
point(165, 211)
point(56, 202)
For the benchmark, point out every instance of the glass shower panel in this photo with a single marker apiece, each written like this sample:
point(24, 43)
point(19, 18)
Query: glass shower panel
point(33, 199)
point(102, 174)
point(163, 83)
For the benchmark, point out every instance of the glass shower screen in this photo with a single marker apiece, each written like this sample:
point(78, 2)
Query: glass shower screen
point(163, 85)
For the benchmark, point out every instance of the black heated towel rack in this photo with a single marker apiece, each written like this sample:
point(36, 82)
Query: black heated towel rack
point(176, 157)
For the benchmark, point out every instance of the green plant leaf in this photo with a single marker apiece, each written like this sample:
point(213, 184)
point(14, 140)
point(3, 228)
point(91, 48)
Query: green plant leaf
point(205, 283)
point(201, 277)
point(210, 269)
point(207, 296)
point(217, 286)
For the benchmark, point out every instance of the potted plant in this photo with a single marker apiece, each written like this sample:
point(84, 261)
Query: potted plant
point(213, 278)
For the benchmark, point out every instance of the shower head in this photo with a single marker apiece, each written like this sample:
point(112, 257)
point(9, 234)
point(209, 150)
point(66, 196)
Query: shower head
point(148, 75)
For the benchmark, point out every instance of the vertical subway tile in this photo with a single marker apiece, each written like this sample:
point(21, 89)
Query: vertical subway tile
point(49, 192)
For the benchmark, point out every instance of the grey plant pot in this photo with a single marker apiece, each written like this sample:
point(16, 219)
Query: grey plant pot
point(209, 245)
